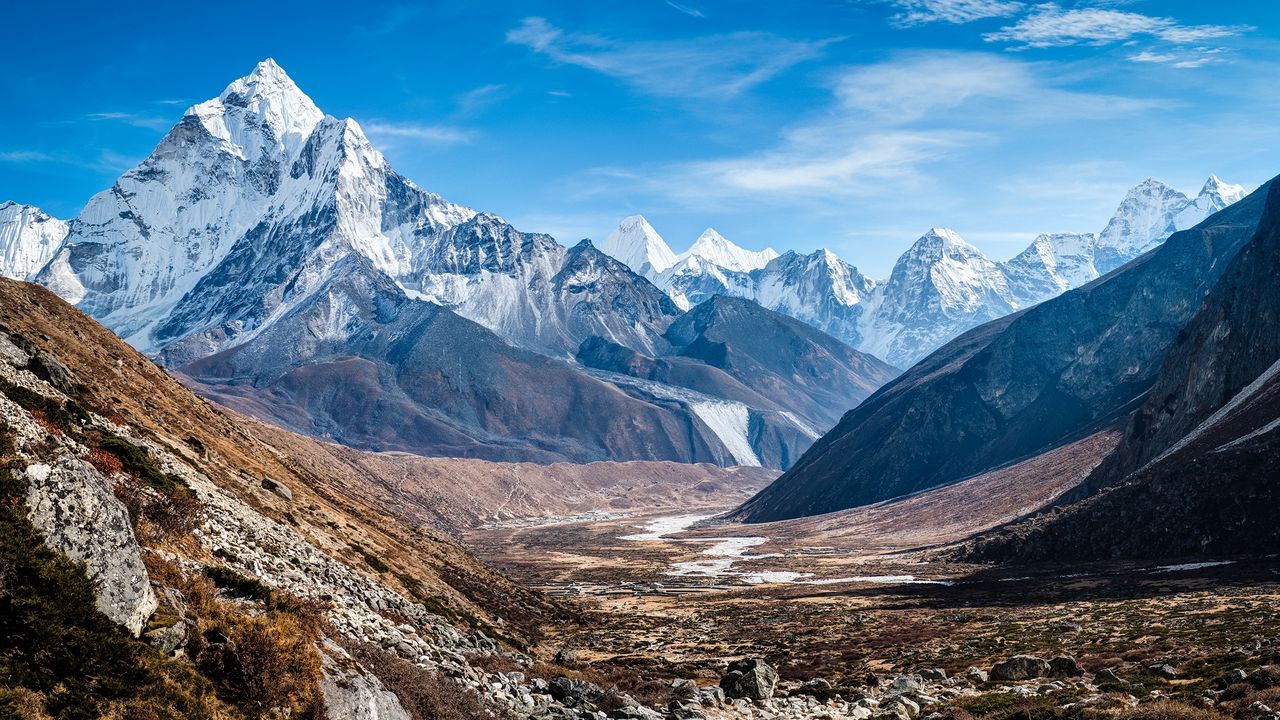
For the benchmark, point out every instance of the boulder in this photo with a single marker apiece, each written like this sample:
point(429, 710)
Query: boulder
point(1107, 676)
point(1163, 670)
point(574, 693)
point(350, 692)
point(1231, 677)
point(934, 674)
point(277, 487)
point(751, 679)
point(976, 676)
point(565, 656)
point(1267, 676)
point(906, 684)
point(1020, 667)
point(73, 506)
point(1064, 666)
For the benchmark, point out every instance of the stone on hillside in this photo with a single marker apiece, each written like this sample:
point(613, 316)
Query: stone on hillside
point(1163, 670)
point(906, 684)
point(352, 693)
point(751, 679)
point(1107, 676)
point(1231, 677)
point(1064, 666)
point(277, 487)
point(1020, 667)
point(565, 656)
point(74, 507)
point(976, 675)
point(934, 674)
point(574, 692)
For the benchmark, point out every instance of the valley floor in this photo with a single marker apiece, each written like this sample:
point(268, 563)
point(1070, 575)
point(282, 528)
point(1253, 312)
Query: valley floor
point(669, 594)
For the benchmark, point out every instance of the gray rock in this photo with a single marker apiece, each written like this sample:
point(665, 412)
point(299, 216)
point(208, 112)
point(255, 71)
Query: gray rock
point(711, 696)
point(1064, 666)
point(1163, 670)
point(1020, 667)
point(277, 487)
point(976, 675)
point(906, 684)
point(817, 687)
point(1107, 676)
point(47, 368)
point(168, 640)
point(74, 507)
point(934, 674)
point(752, 679)
point(565, 656)
point(574, 692)
point(898, 708)
point(352, 693)
point(1232, 677)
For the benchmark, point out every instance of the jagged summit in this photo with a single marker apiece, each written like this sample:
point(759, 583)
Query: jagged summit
point(639, 246)
point(265, 97)
point(717, 249)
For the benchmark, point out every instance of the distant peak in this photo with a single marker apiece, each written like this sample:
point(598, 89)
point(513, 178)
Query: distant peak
point(1215, 186)
point(636, 244)
point(719, 250)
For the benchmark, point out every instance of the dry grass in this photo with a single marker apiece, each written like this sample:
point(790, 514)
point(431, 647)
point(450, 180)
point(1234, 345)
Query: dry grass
point(425, 695)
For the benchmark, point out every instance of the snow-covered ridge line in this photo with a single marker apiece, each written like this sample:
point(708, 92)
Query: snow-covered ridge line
point(939, 288)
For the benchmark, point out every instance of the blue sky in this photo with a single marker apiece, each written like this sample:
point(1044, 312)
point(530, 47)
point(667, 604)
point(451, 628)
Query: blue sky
point(853, 125)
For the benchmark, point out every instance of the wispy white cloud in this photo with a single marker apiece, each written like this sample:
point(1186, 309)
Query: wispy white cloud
point(559, 93)
point(107, 160)
point(1049, 25)
point(419, 132)
point(149, 122)
point(25, 156)
point(686, 9)
point(713, 67)
point(1194, 58)
point(919, 12)
point(476, 99)
point(887, 125)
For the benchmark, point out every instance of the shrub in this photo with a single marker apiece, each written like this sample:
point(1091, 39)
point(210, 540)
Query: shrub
point(105, 462)
point(373, 561)
point(138, 462)
point(61, 655)
point(1169, 710)
point(238, 584)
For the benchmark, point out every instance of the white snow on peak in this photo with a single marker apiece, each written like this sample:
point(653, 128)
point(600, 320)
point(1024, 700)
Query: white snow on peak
point(267, 96)
point(717, 249)
point(638, 246)
point(28, 239)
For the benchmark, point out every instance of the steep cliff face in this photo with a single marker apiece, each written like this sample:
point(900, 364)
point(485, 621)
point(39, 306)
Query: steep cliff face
point(1017, 386)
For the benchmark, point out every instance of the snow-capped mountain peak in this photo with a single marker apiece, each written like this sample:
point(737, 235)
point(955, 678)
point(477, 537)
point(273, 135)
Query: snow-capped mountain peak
point(717, 249)
point(28, 239)
point(265, 98)
point(639, 246)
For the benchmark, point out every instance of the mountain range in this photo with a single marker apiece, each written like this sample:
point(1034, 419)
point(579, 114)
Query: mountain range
point(268, 253)
point(937, 289)
point(1040, 378)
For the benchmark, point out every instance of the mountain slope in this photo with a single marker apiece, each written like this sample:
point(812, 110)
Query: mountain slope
point(1017, 386)
point(243, 543)
point(361, 363)
point(1195, 473)
point(28, 239)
